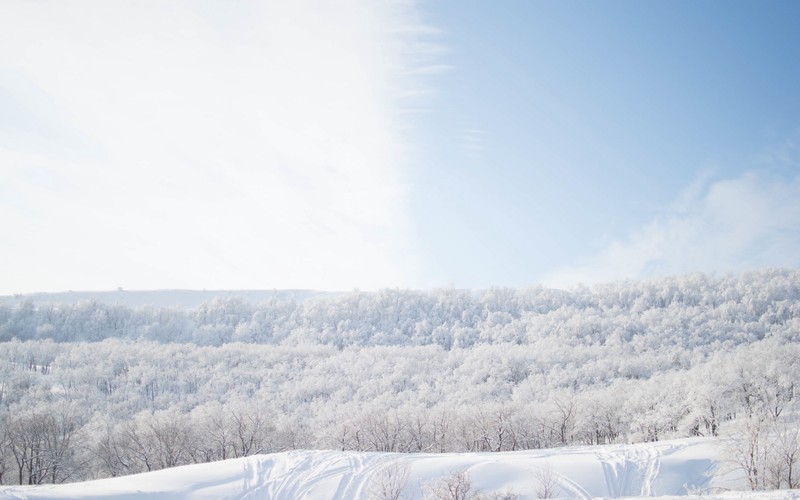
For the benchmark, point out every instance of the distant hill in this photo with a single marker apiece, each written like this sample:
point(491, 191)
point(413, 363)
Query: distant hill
point(160, 298)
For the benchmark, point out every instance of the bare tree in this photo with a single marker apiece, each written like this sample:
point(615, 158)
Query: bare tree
point(149, 442)
point(767, 449)
point(250, 430)
point(383, 432)
point(788, 454)
point(746, 450)
point(494, 427)
point(172, 438)
point(455, 486)
point(440, 431)
point(5, 464)
point(390, 481)
point(218, 438)
point(782, 453)
point(112, 451)
point(41, 443)
point(564, 419)
point(548, 485)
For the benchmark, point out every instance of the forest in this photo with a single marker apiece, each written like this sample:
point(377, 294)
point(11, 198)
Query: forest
point(91, 390)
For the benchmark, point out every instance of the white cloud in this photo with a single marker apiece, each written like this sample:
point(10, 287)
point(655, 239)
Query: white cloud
point(206, 145)
point(729, 225)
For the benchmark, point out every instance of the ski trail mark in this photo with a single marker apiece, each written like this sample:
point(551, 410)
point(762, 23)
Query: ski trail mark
point(569, 485)
point(653, 467)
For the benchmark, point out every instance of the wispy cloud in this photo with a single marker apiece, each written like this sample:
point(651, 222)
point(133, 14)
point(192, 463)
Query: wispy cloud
point(727, 225)
point(207, 145)
point(471, 140)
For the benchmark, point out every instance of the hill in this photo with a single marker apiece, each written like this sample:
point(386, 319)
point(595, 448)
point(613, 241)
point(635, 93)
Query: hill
point(678, 467)
point(93, 390)
point(187, 299)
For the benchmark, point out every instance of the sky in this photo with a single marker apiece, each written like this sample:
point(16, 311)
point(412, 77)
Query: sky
point(350, 144)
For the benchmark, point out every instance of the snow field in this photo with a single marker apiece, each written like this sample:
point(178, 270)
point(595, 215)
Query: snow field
point(667, 468)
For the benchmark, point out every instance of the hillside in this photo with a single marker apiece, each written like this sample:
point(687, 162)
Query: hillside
point(93, 390)
point(680, 467)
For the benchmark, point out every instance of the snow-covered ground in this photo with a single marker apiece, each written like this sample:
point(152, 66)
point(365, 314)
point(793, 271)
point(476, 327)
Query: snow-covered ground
point(668, 468)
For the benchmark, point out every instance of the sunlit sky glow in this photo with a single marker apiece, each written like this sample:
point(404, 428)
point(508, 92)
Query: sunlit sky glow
point(348, 144)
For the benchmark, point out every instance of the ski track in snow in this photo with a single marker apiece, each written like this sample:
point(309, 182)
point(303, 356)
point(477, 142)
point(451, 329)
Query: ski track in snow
point(296, 478)
point(567, 484)
point(353, 487)
point(10, 494)
point(653, 467)
point(256, 472)
point(314, 474)
point(631, 470)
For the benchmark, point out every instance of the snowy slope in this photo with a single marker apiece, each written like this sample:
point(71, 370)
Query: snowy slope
point(641, 470)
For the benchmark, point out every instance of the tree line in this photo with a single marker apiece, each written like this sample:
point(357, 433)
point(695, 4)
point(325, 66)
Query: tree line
point(695, 309)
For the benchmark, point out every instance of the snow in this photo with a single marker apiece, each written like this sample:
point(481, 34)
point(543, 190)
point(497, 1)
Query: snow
point(668, 469)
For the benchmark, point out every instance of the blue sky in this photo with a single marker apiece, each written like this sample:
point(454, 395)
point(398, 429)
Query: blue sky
point(564, 128)
point(340, 145)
